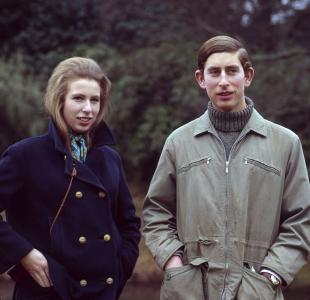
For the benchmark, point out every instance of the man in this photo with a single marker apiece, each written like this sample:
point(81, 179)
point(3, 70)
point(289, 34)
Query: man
point(227, 214)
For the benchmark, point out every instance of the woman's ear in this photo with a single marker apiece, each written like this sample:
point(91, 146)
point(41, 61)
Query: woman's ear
point(200, 79)
point(249, 75)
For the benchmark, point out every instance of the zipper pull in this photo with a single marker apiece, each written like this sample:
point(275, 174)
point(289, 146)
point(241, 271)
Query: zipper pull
point(226, 169)
point(208, 160)
point(246, 161)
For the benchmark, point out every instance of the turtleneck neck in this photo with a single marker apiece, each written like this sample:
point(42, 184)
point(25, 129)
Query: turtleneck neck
point(230, 121)
point(229, 124)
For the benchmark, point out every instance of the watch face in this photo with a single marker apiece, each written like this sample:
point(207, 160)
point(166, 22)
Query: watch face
point(274, 280)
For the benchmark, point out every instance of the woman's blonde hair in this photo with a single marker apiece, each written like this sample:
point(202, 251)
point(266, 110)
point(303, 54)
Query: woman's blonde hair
point(57, 87)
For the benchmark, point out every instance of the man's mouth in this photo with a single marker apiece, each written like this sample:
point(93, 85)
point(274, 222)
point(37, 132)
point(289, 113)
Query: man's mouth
point(225, 93)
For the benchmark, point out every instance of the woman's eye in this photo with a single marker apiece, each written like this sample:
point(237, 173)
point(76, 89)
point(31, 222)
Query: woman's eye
point(77, 98)
point(94, 99)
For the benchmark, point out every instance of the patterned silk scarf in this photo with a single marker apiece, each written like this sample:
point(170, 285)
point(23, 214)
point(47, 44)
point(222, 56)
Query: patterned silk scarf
point(78, 147)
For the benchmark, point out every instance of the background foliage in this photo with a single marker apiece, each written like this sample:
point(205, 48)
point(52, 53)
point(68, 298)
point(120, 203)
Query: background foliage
point(148, 49)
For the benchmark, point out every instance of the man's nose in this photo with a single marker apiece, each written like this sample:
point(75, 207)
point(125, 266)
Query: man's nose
point(223, 79)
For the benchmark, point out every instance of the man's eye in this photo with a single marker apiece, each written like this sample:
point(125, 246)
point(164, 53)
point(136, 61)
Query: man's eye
point(214, 72)
point(232, 71)
point(94, 99)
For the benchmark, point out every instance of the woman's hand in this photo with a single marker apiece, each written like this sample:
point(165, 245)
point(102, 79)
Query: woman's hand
point(36, 265)
point(174, 262)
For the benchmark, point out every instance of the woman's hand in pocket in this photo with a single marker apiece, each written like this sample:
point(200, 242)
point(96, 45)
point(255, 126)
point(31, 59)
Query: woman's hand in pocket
point(36, 265)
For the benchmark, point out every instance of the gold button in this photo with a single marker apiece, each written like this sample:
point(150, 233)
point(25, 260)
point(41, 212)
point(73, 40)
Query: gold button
point(102, 194)
point(82, 239)
point(106, 237)
point(79, 195)
point(65, 157)
point(83, 282)
point(109, 280)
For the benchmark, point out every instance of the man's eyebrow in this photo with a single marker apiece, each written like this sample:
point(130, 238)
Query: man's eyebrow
point(229, 66)
point(233, 66)
point(211, 68)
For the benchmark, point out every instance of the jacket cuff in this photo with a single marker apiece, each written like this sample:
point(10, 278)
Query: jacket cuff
point(285, 278)
point(166, 250)
point(14, 257)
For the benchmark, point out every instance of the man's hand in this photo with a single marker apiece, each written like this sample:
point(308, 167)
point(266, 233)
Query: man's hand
point(173, 262)
point(36, 265)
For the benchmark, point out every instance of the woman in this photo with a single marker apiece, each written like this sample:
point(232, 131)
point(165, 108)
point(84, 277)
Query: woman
point(72, 232)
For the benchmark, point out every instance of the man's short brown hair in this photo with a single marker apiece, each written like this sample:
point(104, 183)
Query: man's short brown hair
point(223, 43)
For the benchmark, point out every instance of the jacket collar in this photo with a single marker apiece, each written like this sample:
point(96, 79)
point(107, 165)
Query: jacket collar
point(103, 136)
point(84, 172)
point(256, 124)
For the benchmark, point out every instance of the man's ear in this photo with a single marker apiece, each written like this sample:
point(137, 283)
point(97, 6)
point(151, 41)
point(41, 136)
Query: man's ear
point(249, 75)
point(200, 79)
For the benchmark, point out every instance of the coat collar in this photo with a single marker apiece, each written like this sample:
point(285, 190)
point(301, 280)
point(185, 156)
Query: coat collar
point(103, 136)
point(256, 124)
point(85, 172)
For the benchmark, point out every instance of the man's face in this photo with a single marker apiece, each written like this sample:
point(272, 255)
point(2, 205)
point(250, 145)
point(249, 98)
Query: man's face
point(224, 80)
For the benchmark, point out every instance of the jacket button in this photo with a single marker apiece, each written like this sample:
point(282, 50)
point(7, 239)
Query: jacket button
point(82, 240)
point(83, 282)
point(106, 237)
point(102, 194)
point(65, 157)
point(109, 281)
point(79, 195)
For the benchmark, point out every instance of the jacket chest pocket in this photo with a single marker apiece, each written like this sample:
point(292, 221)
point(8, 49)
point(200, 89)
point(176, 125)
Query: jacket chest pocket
point(262, 166)
point(204, 161)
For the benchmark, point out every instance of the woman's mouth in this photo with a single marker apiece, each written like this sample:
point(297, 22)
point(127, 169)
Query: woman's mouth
point(84, 119)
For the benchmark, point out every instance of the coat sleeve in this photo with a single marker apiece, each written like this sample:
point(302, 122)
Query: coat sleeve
point(129, 227)
point(159, 211)
point(12, 246)
point(291, 249)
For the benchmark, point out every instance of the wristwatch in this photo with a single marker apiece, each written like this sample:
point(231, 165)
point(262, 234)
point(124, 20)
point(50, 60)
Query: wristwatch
point(273, 279)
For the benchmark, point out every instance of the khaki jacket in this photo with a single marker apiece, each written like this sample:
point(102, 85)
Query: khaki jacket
point(232, 216)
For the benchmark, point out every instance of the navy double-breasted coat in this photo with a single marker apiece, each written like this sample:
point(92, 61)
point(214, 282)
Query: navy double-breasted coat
point(93, 245)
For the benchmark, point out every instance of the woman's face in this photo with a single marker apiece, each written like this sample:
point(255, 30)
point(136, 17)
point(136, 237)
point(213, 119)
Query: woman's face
point(81, 104)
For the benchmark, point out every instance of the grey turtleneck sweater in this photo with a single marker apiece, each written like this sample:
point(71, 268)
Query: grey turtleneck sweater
point(229, 124)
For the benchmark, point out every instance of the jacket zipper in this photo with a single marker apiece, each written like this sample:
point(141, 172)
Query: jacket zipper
point(226, 264)
point(227, 162)
point(262, 165)
point(194, 164)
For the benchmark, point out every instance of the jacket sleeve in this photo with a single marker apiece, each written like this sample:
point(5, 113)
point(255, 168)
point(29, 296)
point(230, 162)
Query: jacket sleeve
point(12, 246)
point(129, 227)
point(159, 211)
point(291, 249)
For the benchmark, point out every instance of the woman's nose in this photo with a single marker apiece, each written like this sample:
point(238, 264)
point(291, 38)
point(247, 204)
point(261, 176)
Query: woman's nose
point(87, 106)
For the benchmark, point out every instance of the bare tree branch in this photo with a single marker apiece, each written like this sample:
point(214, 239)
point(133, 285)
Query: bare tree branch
point(280, 55)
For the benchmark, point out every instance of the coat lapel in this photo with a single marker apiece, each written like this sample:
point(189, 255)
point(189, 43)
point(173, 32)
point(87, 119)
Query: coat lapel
point(102, 137)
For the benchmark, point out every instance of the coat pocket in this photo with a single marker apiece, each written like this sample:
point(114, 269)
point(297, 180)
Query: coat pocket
point(201, 161)
point(257, 287)
point(185, 283)
point(262, 165)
